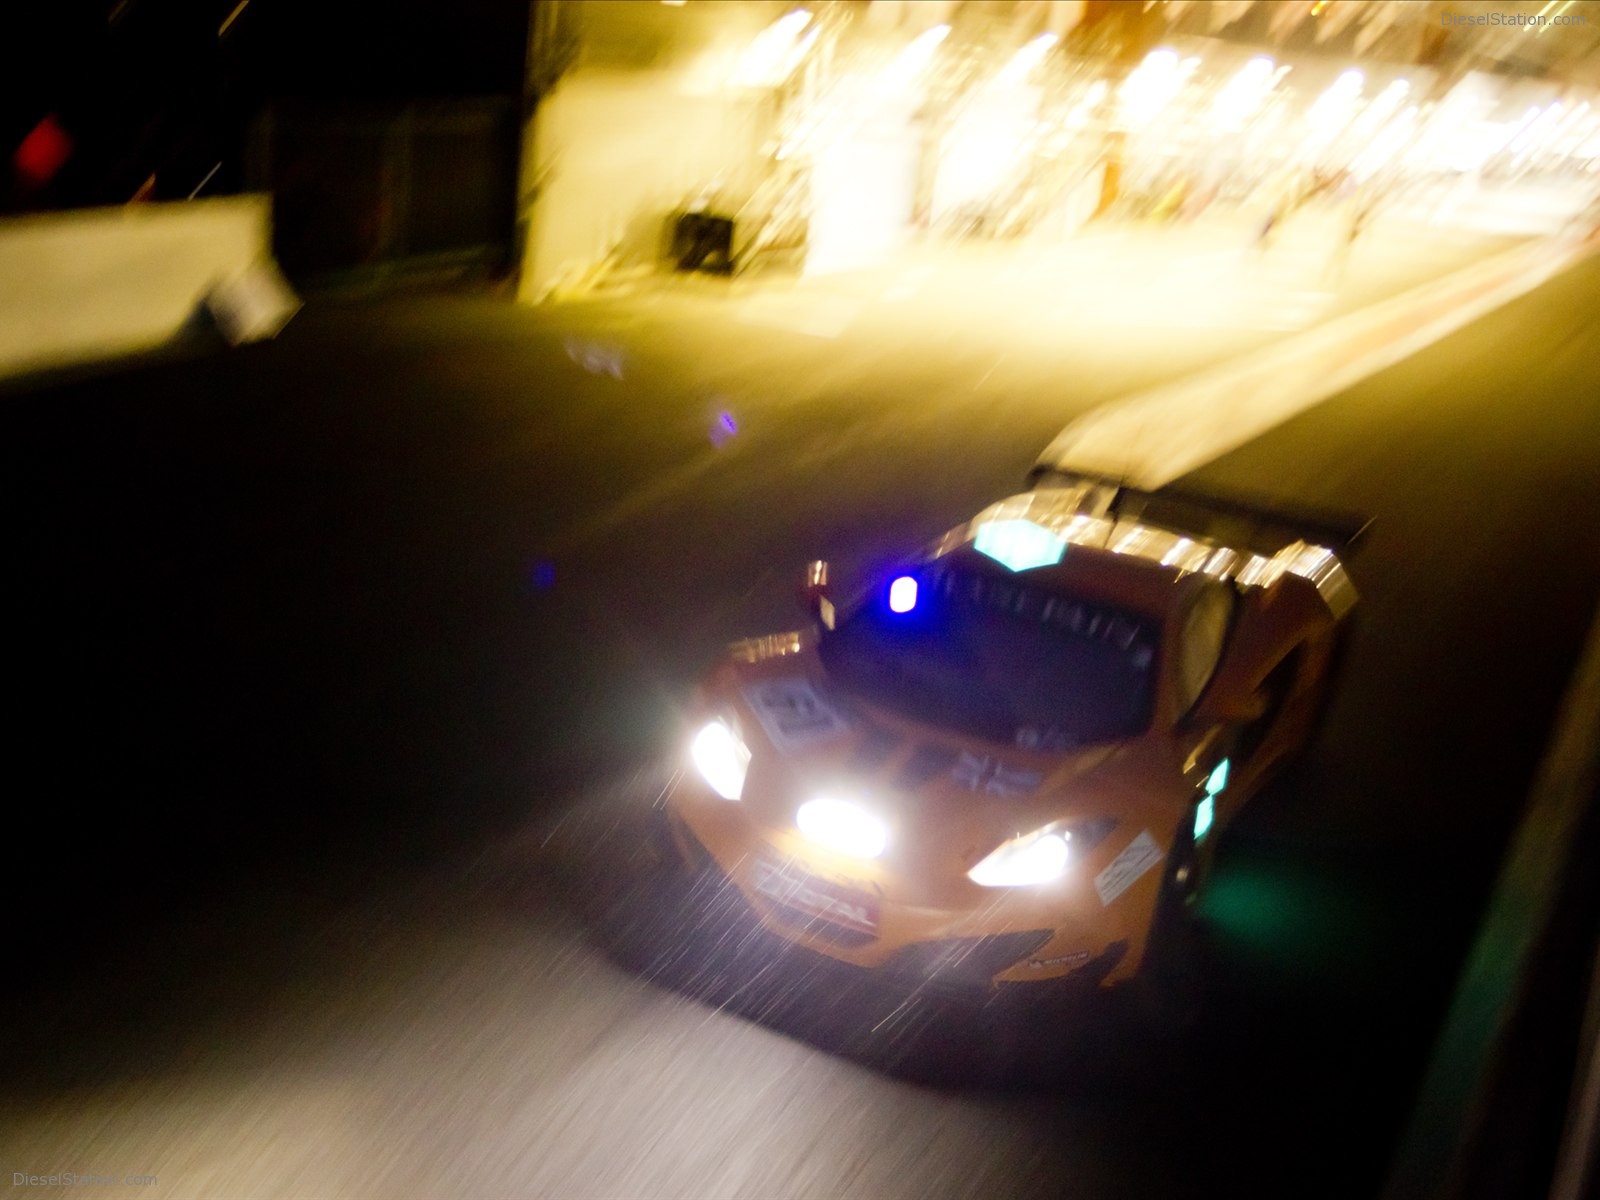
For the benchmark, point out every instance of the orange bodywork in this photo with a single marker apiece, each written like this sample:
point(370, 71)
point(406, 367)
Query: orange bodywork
point(948, 800)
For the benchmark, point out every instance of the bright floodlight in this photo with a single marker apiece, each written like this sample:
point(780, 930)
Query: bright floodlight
point(1019, 544)
point(842, 826)
point(721, 758)
point(1151, 85)
point(1244, 94)
point(1333, 110)
point(1025, 60)
point(909, 64)
point(903, 594)
point(775, 52)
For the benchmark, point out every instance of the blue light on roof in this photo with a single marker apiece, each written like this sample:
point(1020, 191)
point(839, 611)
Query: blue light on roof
point(1019, 544)
point(903, 594)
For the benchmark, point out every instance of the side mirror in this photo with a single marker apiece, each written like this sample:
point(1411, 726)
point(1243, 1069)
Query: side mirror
point(814, 593)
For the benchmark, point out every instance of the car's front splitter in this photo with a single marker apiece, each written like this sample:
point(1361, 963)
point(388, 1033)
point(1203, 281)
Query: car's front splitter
point(964, 969)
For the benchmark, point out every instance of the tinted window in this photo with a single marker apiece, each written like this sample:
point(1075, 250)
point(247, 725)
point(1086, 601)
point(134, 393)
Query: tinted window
point(999, 658)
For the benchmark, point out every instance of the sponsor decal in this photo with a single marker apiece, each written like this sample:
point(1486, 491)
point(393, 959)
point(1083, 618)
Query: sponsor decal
point(980, 773)
point(1076, 959)
point(793, 714)
point(796, 890)
point(1119, 875)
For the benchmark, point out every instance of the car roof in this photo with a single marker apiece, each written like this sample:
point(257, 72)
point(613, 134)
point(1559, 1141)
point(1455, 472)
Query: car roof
point(1092, 573)
point(1144, 565)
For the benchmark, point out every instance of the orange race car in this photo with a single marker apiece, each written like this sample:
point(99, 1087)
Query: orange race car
point(1005, 763)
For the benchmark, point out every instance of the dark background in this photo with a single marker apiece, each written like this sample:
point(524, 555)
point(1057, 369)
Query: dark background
point(386, 133)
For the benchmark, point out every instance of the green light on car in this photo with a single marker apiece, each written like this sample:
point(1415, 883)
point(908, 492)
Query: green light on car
point(1218, 779)
point(1019, 545)
point(1203, 816)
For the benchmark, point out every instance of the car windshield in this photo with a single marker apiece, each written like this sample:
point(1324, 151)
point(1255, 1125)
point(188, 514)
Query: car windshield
point(998, 658)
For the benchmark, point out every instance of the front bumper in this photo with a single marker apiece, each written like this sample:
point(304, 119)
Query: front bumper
point(1012, 940)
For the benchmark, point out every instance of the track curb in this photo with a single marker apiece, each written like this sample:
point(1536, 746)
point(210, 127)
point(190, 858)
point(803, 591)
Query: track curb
point(1150, 438)
point(1451, 1118)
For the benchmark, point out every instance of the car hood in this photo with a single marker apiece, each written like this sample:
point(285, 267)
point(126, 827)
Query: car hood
point(949, 800)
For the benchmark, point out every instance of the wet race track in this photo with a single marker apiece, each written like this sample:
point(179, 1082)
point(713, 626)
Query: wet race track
point(348, 662)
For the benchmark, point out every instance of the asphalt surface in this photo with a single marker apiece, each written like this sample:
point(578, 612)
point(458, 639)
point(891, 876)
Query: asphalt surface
point(333, 655)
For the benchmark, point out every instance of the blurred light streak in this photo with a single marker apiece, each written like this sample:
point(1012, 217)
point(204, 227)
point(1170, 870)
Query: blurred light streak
point(204, 181)
point(1332, 113)
point(43, 152)
point(775, 52)
point(232, 17)
point(1536, 130)
point(1078, 116)
point(1151, 86)
point(1242, 96)
point(1572, 132)
point(595, 358)
point(1557, 13)
point(982, 148)
point(723, 429)
point(1383, 106)
point(1513, 133)
point(1023, 62)
point(909, 64)
point(1387, 145)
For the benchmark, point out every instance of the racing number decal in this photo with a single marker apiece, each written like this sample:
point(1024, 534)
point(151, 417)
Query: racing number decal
point(816, 897)
point(980, 773)
point(792, 713)
point(1119, 875)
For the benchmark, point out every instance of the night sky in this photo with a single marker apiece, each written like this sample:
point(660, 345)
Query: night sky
point(143, 86)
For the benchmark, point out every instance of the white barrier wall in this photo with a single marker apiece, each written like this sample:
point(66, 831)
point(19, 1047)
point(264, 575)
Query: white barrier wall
point(609, 154)
point(90, 284)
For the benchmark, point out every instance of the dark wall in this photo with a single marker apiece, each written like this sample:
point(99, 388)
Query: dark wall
point(131, 91)
point(385, 187)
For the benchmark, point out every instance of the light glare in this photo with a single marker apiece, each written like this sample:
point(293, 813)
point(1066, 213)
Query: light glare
point(842, 826)
point(1023, 862)
point(775, 52)
point(910, 62)
point(903, 594)
point(721, 758)
point(1025, 60)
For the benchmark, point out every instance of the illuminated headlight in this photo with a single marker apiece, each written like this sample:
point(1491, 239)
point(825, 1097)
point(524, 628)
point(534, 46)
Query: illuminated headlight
point(840, 825)
point(1034, 858)
point(721, 758)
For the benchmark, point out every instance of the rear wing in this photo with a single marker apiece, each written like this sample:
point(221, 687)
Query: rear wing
point(1244, 523)
point(1229, 536)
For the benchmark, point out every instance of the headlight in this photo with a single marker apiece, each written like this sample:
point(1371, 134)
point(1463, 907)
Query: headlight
point(1037, 857)
point(842, 826)
point(721, 758)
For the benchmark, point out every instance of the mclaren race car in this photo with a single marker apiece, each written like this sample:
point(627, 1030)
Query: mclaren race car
point(1004, 764)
